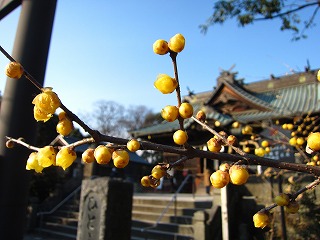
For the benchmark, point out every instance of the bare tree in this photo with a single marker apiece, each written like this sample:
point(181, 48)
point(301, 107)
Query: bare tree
point(140, 116)
point(114, 119)
point(107, 116)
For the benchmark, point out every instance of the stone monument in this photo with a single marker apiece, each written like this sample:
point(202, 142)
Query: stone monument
point(105, 209)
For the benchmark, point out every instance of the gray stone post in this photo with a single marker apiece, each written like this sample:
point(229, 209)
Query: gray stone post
point(199, 225)
point(105, 209)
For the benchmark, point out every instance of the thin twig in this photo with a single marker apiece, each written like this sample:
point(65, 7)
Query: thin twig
point(311, 185)
point(81, 142)
point(204, 125)
point(181, 160)
point(25, 73)
point(288, 11)
point(22, 143)
point(296, 194)
point(196, 153)
point(173, 56)
point(5, 53)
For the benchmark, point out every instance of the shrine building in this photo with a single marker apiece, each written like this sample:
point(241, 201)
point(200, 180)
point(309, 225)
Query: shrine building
point(263, 105)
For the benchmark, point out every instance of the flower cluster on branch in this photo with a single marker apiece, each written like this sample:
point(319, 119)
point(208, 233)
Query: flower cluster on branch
point(111, 148)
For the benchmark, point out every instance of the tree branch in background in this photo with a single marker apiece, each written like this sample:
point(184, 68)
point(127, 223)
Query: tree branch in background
point(247, 12)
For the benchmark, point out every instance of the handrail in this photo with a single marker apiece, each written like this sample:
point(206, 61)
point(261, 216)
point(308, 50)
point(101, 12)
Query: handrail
point(74, 192)
point(173, 199)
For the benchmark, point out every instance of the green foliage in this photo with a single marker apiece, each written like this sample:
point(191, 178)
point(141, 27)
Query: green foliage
point(250, 11)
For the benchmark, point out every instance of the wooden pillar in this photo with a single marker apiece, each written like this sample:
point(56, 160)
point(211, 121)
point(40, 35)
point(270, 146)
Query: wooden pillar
point(31, 48)
point(224, 213)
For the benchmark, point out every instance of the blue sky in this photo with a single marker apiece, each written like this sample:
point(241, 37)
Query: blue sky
point(103, 50)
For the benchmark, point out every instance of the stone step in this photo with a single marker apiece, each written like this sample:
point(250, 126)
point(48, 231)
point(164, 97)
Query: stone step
point(62, 220)
point(167, 218)
point(184, 229)
point(61, 224)
point(137, 238)
point(60, 228)
point(153, 234)
point(182, 201)
point(159, 209)
point(56, 234)
point(147, 208)
point(70, 207)
point(66, 213)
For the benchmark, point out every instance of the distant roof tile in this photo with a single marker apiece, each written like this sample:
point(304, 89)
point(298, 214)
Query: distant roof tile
point(286, 102)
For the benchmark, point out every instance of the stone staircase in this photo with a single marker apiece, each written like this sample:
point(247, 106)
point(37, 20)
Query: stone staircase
point(62, 223)
point(160, 216)
point(152, 217)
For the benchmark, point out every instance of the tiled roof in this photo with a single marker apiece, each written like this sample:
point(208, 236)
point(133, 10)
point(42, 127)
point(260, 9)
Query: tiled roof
point(286, 102)
point(255, 99)
point(156, 129)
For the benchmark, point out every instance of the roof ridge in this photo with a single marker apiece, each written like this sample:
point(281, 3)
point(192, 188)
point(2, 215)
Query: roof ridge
point(249, 96)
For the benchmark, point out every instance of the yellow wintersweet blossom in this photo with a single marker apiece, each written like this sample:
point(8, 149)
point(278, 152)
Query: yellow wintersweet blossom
point(65, 157)
point(32, 163)
point(46, 104)
point(261, 219)
point(46, 156)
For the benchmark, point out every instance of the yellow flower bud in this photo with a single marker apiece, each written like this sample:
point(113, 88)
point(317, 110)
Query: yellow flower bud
point(120, 158)
point(14, 70)
point(160, 47)
point(165, 83)
point(177, 43)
